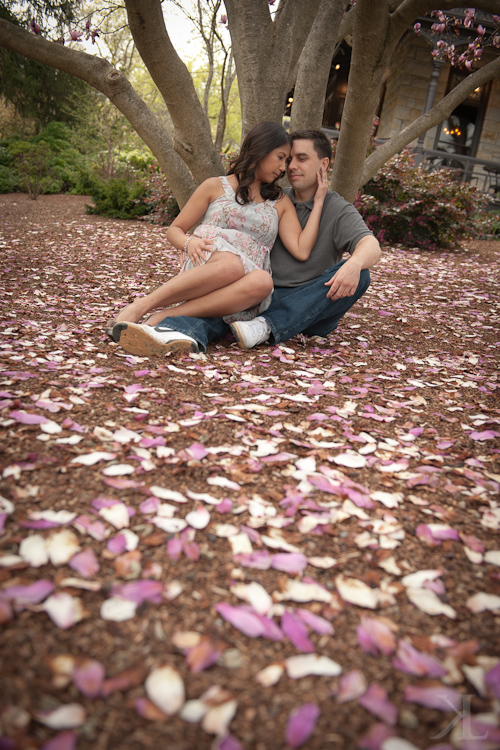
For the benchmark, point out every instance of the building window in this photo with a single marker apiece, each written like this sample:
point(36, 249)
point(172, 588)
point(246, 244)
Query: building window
point(461, 131)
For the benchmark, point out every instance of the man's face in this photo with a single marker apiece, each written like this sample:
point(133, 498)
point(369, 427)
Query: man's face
point(304, 166)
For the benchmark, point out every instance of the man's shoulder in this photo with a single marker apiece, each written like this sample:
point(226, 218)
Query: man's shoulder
point(335, 204)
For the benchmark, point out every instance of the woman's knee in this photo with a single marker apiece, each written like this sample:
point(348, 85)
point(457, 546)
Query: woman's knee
point(262, 282)
point(229, 266)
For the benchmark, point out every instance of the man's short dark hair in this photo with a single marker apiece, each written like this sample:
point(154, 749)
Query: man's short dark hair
point(321, 142)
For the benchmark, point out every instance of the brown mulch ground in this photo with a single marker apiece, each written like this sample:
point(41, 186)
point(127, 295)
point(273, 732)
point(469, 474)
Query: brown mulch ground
point(411, 372)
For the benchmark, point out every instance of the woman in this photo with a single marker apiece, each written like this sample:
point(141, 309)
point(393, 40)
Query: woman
point(226, 266)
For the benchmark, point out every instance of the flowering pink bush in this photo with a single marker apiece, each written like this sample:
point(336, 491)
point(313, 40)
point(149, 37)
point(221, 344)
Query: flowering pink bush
point(404, 204)
point(158, 198)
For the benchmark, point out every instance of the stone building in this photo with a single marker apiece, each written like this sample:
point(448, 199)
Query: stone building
point(468, 141)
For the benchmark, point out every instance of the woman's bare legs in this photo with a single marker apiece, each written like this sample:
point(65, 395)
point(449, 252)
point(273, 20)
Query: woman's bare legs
point(240, 295)
point(220, 270)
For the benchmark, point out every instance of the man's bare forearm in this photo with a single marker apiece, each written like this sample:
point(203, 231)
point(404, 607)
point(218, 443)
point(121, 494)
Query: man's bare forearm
point(366, 253)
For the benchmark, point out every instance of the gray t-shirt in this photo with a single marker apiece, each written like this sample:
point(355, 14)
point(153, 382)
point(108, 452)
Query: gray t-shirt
point(340, 229)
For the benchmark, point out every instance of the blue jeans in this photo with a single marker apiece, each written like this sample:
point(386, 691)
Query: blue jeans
point(299, 309)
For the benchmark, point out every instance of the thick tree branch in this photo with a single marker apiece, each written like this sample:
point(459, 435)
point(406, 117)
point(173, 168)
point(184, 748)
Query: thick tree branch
point(192, 138)
point(314, 66)
point(113, 84)
point(370, 55)
point(266, 53)
point(428, 120)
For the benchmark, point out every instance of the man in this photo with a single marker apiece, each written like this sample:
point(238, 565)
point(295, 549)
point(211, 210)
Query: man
point(309, 296)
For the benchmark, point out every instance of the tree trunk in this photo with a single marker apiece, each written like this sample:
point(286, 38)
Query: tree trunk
point(371, 51)
point(103, 77)
point(314, 66)
point(192, 136)
point(266, 52)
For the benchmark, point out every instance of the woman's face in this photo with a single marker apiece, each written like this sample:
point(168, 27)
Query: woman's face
point(273, 165)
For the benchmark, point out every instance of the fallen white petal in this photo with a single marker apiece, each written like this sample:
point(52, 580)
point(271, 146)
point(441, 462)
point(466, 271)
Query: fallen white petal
point(33, 551)
point(492, 557)
point(118, 470)
point(417, 580)
point(89, 459)
point(217, 719)
point(50, 427)
point(199, 518)
point(240, 544)
point(356, 592)
point(64, 610)
point(311, 664)
point(117, 515)
point(223, 482)
point(170, 525)
point(70, 716)
point(427, 601)
point(352, 460)
point(7, 561)
point(165, 688)
point(397, 743)
point(255, 595)
point(482, 601)
point(193, 711)
point(6, 506)
point(225, 530)
point(270, 675)
point(297, 591)
point(117, 609)
point(163, 494)
point(322, 562)
point(389, 499)
point(61, 546)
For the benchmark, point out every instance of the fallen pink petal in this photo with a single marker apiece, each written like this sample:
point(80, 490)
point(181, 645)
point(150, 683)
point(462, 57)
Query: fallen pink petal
point(88, 678)
point(301, 724)
point(294, 629)
point(376, 701)
point(408, 659)
point(441, 698)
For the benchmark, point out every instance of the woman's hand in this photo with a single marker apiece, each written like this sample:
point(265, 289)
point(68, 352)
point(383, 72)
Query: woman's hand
point(198, 250)
point(322, 188)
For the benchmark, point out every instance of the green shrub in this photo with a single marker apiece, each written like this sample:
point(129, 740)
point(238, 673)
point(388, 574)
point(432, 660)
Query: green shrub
point(117, 199)
point(404, 204)
point(10, 178)
point(31, 161)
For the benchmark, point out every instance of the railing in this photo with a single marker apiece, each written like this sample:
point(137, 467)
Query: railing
point(486, 174)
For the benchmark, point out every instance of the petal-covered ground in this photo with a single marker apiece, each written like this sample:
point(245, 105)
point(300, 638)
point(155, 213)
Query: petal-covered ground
point(294, 546)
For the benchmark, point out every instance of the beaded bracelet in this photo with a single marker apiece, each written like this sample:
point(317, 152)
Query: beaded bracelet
point(187, 243)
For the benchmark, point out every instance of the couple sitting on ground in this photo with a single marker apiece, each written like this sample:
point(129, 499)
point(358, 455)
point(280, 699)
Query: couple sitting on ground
point(249, 225)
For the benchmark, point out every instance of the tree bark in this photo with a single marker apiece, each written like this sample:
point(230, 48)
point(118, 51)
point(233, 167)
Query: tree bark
point(113, 84)
point(192, 136)
point(372, 48)
point(314, 66)
point(426, 121)
point(266, 52)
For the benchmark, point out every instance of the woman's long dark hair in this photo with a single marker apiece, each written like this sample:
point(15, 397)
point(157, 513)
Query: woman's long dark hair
point(259, 142)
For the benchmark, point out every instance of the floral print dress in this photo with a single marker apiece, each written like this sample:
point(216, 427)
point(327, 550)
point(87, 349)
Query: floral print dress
point(248, 231)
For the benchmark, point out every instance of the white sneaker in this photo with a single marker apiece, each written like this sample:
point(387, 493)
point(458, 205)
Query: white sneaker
point(249, 333)
point(146, 341)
